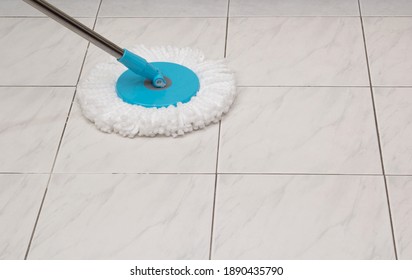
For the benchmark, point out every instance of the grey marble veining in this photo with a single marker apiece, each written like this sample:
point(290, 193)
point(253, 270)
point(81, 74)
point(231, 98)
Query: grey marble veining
point(394, 110)
point(20, 199)
point(85, 149)
point(300, 130)
point(400, 195)
point(386, 8)
point(31, 123)
point(125, 217)
point(206, 34)
point(389, 40)
point(160, 8)
point(76, 8)
point(301, 217)
point(38, 51)
point(294, 8)
point(297, 51)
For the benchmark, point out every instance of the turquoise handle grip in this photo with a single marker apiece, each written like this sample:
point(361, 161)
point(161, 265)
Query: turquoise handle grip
point(141, 67)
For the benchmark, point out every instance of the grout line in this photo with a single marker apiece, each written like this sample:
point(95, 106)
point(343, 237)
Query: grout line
point(239, 86)
point(291, 86)
point(321, 16)
point(135, 173)
point(242, 16)
point(297, 174)
point(214, 194)
point(23, 173)
point(207, 173)
point(162, 17)
point(392, 86)
point(37, 86)
point(227, 28)
point(213, 17)
point(391, 16)
point(378, 134)
point(218, 148)
point(37, 17)
point(60, 142)
point(37, 219)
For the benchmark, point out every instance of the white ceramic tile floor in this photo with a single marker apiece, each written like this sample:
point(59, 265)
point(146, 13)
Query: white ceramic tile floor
point(297, 51)
point(31, 124)
point(395, 125)
point(20, 199)
point(159, 8)
point(241, 8)
point(126, 217)
point(40, 52)
point(86, 150)
point(301, 217)
point(304, 123)
point(389, 40)
point(400, 193)
point(76, 8)
point(386, 8)
point(300, 130)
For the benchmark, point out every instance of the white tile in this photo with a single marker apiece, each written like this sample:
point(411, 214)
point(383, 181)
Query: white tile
point(297, 51)
point(294, 8)
point(394, 110)
point(85, 149)
point(125, 217)
point(206, 34)
point(300, 130)
point(159, 8)
point(76, 8)
point(20, 199)
point(38, 51)
point(31, 123)
point(400, 194)
point(388, 40)
point(386, 8)
point(301, 217)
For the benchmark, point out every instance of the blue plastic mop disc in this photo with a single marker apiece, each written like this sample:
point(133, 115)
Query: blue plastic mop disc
point(182, 85)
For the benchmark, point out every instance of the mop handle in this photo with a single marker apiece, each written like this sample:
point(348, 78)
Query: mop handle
point(77, 27)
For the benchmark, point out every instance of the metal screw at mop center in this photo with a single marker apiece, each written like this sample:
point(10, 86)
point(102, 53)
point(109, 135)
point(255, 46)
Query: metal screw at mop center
point(177, 92)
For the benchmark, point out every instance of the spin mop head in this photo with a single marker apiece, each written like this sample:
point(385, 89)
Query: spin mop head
point(198, 92)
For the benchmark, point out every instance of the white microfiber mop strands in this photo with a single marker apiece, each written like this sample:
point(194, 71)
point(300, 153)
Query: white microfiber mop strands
point(100, 104)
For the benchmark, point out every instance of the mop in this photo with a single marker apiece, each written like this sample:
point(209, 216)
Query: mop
point(171, 91)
